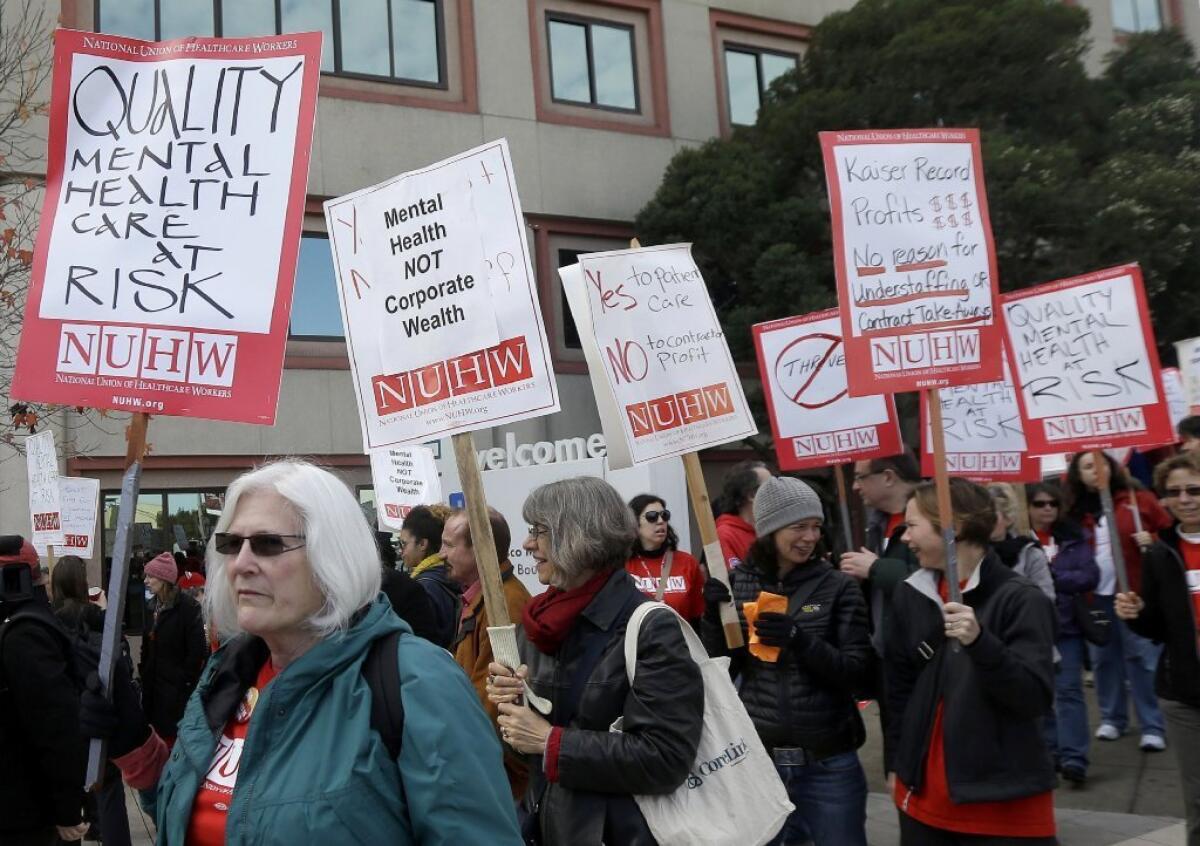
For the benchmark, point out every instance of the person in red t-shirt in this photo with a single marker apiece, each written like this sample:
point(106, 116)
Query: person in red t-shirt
point(968, 684)
point(1167, 611)
point(735, 509)
point(657, 556)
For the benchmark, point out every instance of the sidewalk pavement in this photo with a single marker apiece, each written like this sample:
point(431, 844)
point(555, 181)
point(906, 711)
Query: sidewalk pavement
point(1132, 798)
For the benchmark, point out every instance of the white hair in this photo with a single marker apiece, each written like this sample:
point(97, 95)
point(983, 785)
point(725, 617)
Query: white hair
point(339, 544)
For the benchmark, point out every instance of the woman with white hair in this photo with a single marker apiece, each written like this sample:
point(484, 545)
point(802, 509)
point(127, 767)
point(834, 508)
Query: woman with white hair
point(583, 774)
point(281, 741)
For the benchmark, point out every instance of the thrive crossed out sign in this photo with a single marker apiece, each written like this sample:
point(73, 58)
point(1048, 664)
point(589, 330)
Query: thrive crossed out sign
point(815, 423)
point(913, 256)
point(1085, 362)
point(164, 264)
point(664, 379)
point(439, 301)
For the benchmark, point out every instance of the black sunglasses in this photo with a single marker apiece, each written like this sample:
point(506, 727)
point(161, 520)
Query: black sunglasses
point(266, 544)
point(652, 516)
point(1192, 491)
point(1044, 503)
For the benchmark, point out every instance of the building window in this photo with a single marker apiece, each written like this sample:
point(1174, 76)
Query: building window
point(600, 64)
point(749, 72)
point(394, 40)
point(592, 63)
point(316, 313)
point(570, 332)
point(1137, 15)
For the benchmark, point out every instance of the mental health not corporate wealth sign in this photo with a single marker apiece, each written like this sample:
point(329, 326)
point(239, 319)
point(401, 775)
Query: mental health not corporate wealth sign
point(436, 289)
point(163, 270)
point(913, 257)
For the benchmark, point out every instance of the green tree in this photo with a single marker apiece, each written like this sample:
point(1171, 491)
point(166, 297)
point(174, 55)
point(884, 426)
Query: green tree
point(1081, 172)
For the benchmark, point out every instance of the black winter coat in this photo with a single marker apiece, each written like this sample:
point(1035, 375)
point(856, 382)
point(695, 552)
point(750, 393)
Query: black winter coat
point(993, 692)
point(42, 754)
point(174, 650)
point(1169, 619)
point(445, 599)
point(807, 697)
point(411, 603)
point(662, 715)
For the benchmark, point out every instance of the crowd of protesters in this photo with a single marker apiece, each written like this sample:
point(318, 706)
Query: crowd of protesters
point(325, 685)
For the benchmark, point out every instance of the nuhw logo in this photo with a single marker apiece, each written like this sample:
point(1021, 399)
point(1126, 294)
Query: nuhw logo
point(166, 355)
point(675, 410)
point(504, 364)
point(396, 512)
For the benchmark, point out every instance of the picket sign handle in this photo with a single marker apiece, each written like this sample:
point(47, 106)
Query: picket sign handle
point(942, 480)
point(1024, 527)
point(118, 580)
point(1103, 481)
point(839, 475)
point(482, 541)
point(713, 554)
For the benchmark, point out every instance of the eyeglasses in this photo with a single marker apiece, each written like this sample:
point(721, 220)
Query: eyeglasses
point(536, 532)
point(1044, 503)
point(1192, 491)
point(652, 516)
point(265, 544)
point(858, 477)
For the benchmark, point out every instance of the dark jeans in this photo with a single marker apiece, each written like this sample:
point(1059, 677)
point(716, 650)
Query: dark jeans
point(112, 819)
point(1127, 657)
point(914, 833)
point(831, 802)
point(1067, 733)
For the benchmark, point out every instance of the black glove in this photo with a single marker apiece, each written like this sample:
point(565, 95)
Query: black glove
point(121, 722)
point(715, 593)
point(775, 629)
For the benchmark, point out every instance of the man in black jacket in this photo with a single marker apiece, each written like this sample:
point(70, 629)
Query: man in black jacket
point(42, 754)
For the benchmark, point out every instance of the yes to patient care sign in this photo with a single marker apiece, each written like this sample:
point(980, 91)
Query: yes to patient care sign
point(175, 183)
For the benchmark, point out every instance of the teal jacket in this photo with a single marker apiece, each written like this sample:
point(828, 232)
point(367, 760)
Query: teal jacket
point(312, 769)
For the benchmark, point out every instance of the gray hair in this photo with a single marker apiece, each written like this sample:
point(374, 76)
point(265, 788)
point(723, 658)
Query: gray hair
point(591, 527)
point(340, 547)
point(1005, 499)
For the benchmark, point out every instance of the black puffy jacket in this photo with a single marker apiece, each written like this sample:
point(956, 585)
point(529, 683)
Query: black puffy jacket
point(807, 697)
point(662, 714)
point(42, 754)
point(993, 692)
point(174, 651)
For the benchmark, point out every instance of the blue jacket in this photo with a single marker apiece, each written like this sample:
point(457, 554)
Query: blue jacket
point(1075, 571)
point(312, 769)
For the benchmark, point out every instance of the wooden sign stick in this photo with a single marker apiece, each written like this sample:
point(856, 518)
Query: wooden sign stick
point(1023, 526)
point(839, 473)
point(713, 554)
point(118, 579)
point(502, 632)
point(942, 479)
point(1103, 480)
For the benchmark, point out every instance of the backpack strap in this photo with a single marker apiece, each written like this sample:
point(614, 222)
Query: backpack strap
point(382, 674)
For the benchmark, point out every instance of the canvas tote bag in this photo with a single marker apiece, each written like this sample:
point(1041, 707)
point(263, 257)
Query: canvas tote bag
point(733, 793)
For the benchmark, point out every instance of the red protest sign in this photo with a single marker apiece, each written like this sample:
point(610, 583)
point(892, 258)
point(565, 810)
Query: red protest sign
point(984, 438)
point(815, 423)
point(914, 259)
point(163, 270)
point(1085, 363)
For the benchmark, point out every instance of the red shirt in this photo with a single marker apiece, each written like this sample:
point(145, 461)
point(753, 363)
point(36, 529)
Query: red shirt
point(1191, 557)
point(893, 523)
point(736, 536)
point(685, 584)
point(1030, 816)
point(209, 811)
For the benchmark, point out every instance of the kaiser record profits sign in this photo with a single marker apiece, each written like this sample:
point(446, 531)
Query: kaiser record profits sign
point(163, 270)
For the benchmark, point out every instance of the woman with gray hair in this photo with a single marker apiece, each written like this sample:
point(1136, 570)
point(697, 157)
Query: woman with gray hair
point(583, 774)
point(292, 695)
point(1020, 553)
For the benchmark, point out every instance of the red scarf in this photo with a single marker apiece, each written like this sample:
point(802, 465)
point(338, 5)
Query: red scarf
point(548, 618)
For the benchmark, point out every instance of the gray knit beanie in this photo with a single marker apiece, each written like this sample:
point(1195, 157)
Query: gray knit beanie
point(782, 501)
